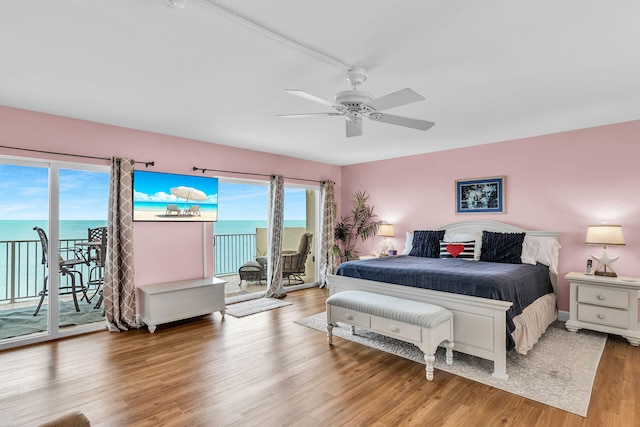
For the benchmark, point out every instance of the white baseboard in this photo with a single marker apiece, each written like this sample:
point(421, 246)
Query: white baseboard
point(563, 316)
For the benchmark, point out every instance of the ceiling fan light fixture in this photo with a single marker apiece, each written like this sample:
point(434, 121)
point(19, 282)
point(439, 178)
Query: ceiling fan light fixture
point(354, 116)
point(356, 76)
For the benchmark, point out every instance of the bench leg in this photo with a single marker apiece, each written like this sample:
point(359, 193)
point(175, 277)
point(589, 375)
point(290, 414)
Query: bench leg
point(429, 359)
point(330, 333)
point(449, 346)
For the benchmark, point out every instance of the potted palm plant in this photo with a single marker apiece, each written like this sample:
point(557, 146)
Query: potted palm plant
point(358, 224)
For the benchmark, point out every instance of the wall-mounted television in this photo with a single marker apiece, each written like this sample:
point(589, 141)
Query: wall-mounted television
point(161, 196)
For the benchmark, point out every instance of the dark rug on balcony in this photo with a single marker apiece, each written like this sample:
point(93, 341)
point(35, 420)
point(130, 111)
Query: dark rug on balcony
point(20, 321)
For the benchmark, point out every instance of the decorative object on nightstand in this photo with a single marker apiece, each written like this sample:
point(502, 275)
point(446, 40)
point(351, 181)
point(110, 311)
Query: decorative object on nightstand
point(605, 304)
point(385, 230)
point(589, 270)
point(605, 234)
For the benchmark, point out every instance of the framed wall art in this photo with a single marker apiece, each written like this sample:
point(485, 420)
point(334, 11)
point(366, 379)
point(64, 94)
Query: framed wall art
point(482, 195)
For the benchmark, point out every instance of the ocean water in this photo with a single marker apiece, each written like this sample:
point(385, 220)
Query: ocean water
point(249, 227)
point(23, 229)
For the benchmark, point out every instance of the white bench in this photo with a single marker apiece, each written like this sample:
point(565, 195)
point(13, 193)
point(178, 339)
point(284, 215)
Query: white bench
point(171, 301)
point(425, 325)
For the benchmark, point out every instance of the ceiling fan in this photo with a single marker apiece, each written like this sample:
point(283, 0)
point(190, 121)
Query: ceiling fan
point(354, 105)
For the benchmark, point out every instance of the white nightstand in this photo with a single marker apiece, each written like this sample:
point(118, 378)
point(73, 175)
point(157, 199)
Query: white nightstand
point(605, 304)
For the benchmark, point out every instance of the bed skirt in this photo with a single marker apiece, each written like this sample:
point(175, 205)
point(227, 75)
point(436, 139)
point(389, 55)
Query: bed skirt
point(533, 321)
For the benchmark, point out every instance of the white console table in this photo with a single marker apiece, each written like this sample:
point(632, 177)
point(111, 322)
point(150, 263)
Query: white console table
point(172, 301)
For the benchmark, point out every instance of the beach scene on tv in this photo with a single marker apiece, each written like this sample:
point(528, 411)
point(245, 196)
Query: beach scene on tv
point(170, 197)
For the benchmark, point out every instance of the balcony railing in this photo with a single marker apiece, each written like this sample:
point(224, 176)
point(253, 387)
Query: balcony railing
point(22, 272)
point(233, 250)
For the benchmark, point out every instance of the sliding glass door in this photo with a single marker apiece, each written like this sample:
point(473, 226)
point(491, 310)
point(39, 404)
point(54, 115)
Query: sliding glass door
point(241, 233)
point(46, 210)
point(82, 222)
point(24, 196)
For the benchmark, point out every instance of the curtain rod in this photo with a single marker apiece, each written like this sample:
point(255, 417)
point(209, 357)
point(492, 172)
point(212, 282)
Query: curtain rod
point(195, 168)
point(146, 164)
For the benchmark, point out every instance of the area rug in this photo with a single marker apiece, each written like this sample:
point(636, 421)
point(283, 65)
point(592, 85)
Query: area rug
point(247, 308)
point(20, 321)
point(558, 372)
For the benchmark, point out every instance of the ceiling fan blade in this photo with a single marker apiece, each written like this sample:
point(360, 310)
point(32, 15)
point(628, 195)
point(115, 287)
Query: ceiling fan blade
point(404, 121)
point(354, 128)
point(297, 116)
point(395, 99)
point(310, 97)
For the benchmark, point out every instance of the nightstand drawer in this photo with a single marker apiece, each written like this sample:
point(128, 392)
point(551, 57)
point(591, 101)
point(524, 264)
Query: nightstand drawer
point(351, 317)
point(392, 328)
point(603, 296)
point(603, 315)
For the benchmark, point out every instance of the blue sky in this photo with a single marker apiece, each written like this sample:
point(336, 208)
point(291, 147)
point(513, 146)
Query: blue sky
point(24, 193)
point(156, 187)
point(249, 202)
point(84, 195)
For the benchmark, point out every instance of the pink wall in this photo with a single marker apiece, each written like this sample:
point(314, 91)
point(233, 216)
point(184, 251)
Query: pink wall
point(163, 251)
point(561, 182)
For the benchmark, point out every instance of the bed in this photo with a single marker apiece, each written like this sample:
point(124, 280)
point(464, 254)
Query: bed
point(496, 318)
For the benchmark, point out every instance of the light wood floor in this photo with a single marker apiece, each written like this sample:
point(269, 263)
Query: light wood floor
point(264, 370)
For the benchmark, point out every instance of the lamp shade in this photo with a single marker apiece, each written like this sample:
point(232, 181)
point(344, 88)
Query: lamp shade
point(605, 234)
point(385, 230)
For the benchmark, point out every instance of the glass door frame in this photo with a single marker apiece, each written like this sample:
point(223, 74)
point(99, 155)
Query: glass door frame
point(54, 331)
point(315, 242)
point(317, 210)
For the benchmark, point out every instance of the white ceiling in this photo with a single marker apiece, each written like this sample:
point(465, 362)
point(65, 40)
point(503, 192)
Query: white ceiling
point(490, 70)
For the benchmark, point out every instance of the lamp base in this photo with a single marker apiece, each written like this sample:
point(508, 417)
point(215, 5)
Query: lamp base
point(606, 273)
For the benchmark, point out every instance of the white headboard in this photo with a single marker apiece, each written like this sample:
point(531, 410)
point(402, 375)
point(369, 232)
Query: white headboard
point(501, 227)
point(479, 226)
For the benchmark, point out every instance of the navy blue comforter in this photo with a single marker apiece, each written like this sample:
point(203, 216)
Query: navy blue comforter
point(520, 284)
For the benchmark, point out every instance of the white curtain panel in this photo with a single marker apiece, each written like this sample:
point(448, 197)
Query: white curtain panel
point(326, 260)
point(119, 289)
point(275, 286)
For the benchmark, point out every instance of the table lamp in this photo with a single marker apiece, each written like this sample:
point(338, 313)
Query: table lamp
point(605, 234)
point(385, 230)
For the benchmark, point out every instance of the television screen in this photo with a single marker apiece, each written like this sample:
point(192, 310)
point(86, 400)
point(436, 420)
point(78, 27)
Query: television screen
point(170, 197)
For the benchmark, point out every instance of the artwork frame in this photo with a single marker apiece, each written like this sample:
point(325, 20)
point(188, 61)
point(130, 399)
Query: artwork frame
point(168, 197)
point(480, 195)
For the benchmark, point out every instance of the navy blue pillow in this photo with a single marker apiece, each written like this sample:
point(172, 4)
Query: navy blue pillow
point(502, 247)
point(426, 243)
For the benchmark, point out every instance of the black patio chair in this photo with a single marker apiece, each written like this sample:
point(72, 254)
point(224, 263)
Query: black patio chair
point(65, 268)
point(97, 256)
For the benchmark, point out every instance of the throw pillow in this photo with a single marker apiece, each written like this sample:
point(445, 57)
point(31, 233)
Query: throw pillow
point(426, 243)
point(462, 250)
point(502, 247)
point(408, 243)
